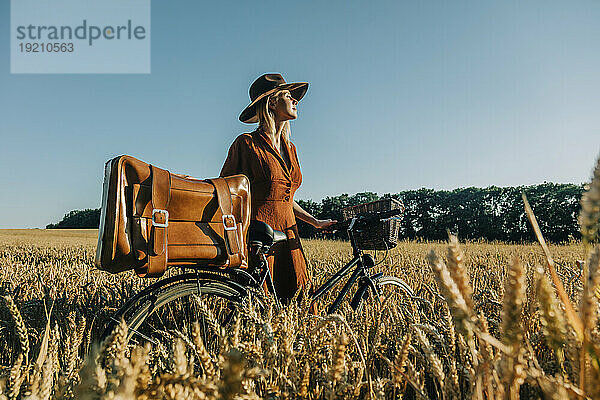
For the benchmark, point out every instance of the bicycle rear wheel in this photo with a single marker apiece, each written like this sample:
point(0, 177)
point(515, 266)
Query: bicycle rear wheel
point(183, 305)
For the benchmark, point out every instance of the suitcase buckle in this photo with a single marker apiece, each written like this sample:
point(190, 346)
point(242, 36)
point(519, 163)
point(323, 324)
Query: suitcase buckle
point(165, 213)
point(231, 218)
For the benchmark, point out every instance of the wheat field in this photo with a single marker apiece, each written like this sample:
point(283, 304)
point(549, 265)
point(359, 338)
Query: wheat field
point(488, 321)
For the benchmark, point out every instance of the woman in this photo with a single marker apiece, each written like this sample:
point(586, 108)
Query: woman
point(269, 160)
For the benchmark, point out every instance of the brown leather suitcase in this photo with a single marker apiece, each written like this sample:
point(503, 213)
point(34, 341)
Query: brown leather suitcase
point(151, 218)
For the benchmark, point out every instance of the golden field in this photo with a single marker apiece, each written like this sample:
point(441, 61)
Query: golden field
point(484, 323)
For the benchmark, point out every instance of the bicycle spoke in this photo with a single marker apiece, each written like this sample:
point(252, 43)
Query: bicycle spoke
point(169, 306)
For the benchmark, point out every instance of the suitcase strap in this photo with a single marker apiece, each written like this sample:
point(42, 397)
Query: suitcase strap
point(235, 257)
point(157, 243)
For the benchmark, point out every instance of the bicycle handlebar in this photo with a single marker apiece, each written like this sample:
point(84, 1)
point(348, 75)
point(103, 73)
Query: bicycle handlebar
point(365, 218)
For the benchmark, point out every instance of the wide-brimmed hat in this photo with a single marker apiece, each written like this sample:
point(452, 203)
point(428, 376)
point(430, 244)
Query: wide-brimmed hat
point(268, 84)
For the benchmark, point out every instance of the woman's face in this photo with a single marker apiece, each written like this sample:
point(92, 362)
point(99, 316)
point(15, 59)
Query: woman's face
point(284, 106)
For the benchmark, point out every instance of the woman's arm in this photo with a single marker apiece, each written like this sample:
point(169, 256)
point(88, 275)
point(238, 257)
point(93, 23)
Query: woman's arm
point(304, 216)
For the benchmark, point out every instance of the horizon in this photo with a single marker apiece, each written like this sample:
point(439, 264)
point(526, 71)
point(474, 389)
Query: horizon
point(380, 195)
point(402, 96)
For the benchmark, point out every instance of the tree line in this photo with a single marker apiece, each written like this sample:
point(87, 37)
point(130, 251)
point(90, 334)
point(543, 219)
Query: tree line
point(492, 213)
point(78, 219)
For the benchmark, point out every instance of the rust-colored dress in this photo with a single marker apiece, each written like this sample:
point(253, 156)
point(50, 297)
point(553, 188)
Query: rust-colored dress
point(272, 188)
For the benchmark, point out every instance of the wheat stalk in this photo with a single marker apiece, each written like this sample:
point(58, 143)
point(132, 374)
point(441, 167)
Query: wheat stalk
point(572, 316)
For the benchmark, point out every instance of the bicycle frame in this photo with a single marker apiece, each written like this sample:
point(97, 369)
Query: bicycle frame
point(259, 275)
point(366, 282)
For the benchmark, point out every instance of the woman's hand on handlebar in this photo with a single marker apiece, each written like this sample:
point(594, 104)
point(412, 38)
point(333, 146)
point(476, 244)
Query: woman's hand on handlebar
point(324, 223)
point(304, 216)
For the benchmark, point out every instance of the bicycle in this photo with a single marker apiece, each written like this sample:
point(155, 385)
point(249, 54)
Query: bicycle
point(211, 297)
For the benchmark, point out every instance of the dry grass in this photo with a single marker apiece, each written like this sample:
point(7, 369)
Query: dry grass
point(487, 322)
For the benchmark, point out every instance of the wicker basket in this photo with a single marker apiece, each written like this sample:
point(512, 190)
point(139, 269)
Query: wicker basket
point(381, 235)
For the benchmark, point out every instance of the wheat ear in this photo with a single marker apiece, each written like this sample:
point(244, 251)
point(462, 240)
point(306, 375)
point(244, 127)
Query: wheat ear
point(20, 327)
point(209, 317)
point(551, 315)
point(46, 384)
point(305, 382)
point(206, 361)
point(458, 272)
point(513, 304)
point(434, 361)
point(180, 361)
point(512, 333)
point(589, 315)
point(231, 380)
point(16, 378)
point(401, 357)
point(338, 363)
point(589, 217)
point(461, 313)
point(588, 304)
point(113, 348)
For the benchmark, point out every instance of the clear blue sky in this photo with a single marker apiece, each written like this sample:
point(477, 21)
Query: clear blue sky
point(402, 95)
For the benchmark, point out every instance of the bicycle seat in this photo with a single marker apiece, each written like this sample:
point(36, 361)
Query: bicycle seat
point(263, 233)
point(278, 236)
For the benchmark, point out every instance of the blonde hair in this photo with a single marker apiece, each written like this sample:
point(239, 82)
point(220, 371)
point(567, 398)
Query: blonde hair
point(266, 119)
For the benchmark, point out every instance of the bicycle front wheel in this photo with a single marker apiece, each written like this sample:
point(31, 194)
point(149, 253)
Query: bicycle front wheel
point(391, 285)
point(184, 305)
point(390, 290)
